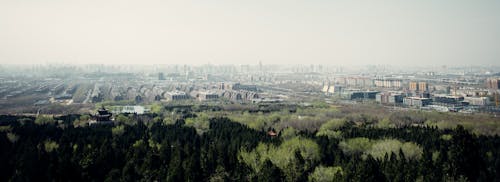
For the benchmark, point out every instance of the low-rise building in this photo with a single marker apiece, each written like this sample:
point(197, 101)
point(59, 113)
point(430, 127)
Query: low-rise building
point(130, 110)
point(176, 95)
point(477, 101)
point(416, 101)
point(357, 95)
point(238, 86)
point(207, 95)
point(267, 100)
point(448, 100)
point(241, 95)
point(389, 98)
point(388, 83)
point(332, 89)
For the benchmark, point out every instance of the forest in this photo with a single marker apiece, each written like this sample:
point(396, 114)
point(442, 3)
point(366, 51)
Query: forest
point(216, 147)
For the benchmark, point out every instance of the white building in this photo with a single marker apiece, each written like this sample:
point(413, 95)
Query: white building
point(131, 109)
point(477, 101)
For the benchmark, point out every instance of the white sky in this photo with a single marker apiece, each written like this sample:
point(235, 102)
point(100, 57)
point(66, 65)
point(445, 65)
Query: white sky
point(465, 32)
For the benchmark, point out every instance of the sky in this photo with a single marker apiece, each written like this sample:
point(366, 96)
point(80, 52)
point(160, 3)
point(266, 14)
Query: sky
point(336, 32)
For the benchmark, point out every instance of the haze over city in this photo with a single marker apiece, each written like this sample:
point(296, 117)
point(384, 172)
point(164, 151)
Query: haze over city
point(449, 32)
point(262, 90)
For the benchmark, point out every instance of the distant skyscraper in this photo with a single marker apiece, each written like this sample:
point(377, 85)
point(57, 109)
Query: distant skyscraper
point(423, 87)
point(161, 76)
point(413, 86)
point(419, 87)
point(493, 83)
point(221, 86)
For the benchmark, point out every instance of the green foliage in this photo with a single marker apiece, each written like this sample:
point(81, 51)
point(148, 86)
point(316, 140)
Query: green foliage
point(219, 175)
point(12, 137)
point(5, 128)
point(85, 117)
point(478, 123)
point(387, 146)
point(320, 104)
point(255, 159)
point(138, 143)
point(50, 146)
point(385, 123)
point(293, 156)
point(157, 119)
point(330, 128)
point(446, 137)
point(333, 124)
point(157, 108)
point(230, 151)
point(288, 133)
point(122, 118)
point(44, 120)
point(304, 119)
point(168, 121)
point(355, 145)
point(307, 148)
point(330, 134)
point(442, 124)
point(154, 145)
point(270, 173)
point(380, 148)
point(326, 174)
point(402, 119)
point(255, 121)
point(82, 121)
point(201, 123)
point(435, 155)
point(412, 150)
point(118, 130)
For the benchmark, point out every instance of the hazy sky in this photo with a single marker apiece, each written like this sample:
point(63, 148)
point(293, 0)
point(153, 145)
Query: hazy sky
point(400, 32)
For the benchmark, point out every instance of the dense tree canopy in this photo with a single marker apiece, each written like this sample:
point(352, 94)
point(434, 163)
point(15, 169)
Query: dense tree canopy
point(204, 148)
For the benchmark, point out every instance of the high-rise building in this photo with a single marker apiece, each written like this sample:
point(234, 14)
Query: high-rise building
point(221, 86)
point(423, 86)
point(161, 76)
point(388, 83)
point(493, 83)
point(419, 86)
point(413, 86)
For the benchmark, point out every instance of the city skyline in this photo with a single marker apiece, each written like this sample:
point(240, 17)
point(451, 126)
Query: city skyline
point(262, 90)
